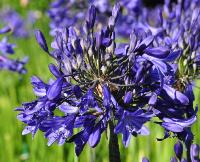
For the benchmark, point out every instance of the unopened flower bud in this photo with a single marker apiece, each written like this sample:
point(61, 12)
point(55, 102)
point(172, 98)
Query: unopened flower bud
point(194, 152)
point(128, 97)
point(178, 149)
point(144, 159)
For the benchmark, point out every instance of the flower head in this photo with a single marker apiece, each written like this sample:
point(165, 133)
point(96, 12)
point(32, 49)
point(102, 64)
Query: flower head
point(98, 81)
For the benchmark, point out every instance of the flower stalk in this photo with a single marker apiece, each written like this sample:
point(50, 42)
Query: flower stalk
point(114, 154)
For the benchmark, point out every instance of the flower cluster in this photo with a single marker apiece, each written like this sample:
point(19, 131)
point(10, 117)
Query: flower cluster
point(100, 83)
point(8, 49)
point(20, 27)
point(64, 13)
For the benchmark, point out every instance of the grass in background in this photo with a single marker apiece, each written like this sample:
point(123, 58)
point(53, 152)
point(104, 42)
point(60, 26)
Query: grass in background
point(16, 89)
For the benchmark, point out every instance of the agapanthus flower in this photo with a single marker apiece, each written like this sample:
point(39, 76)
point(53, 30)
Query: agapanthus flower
point(19, 26)
point(65, 13)
point(177, 26)
point(12, 19)
point(99, 84)
point(6, 49)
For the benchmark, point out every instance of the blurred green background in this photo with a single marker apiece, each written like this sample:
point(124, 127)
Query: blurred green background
point(16, 89)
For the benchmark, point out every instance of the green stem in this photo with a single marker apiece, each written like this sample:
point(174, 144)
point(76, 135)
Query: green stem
point(114, 154)
point(188, 153)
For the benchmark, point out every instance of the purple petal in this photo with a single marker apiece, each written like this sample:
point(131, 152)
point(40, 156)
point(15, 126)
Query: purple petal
point(5, 29)
point(195, 15)
point(98, 39)
point(59, 40)
point(106, 42)
point(172, 127)
point(139, 74)
point(51, 139)
point(68, 109)
point(55, 89)
point(173, 159)
point(174, 94)
point(133, 41)
point(160, 65)
point(115, 10)
point(145, 159)
point(54, 70)
point(128, 97)
point(94, 137)
point(178, 149)
point(158, 52)
point(28, 129)
point(173, 56)
point(145, 43)
point(153, 99)
point(194, 152)
point(144, 131)
point(126, 138)
point(119, 128)
point(106, 95)
point(91, 16)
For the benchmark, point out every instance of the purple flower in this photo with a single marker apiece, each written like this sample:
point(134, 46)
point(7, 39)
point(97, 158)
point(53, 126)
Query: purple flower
point(90, 17)
point(100, 81)
point(144, 159)
point(9, 64)
point(131, 123)
point(65, 13)
point(12, 19)
point(6, 47)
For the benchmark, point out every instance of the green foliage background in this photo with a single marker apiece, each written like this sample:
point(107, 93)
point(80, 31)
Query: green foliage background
point(16, 89)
